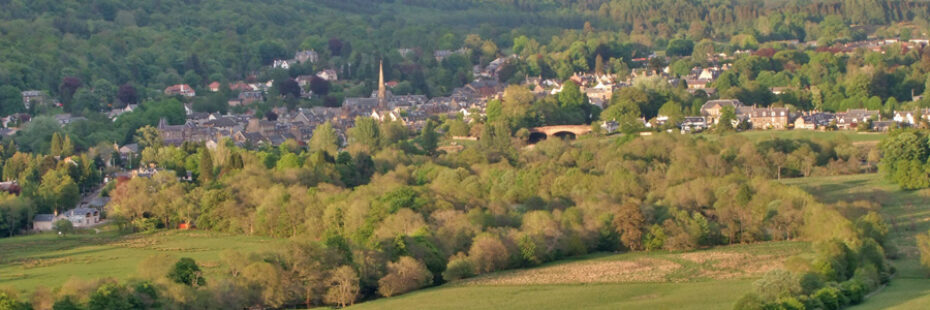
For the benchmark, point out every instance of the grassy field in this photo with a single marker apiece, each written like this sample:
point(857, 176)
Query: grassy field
point(701, 295)
point(855, 137)
point(908, 213)
point(706, 279)
point(47, 260)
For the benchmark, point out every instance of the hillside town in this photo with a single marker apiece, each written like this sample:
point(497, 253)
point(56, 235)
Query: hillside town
point(469, 102)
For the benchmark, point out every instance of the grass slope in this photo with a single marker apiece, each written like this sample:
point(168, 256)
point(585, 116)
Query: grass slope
point(703, 295)
point(706, 279)
point(908, 213)
point(47, 260)
point(855, 137)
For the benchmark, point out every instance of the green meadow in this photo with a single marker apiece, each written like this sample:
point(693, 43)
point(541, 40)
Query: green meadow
point(704, 279)
point(907, 212)
point(48, 260)
point(852, 135)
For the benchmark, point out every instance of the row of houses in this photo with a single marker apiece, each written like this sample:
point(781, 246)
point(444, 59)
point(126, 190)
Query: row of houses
point(782, 118)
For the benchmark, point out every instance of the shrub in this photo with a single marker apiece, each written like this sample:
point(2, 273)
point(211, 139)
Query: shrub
point(63, 226)
point(405, 275)
point(776, 284)
point(829, 297)
point(186, 272)
point(854, 290)
point(750, 301)
point(790, 303)
point(459, 267)
point(923, 243)
point(810, 282)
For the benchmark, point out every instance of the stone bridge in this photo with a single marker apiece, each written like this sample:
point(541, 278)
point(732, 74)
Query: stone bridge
point(562, 131)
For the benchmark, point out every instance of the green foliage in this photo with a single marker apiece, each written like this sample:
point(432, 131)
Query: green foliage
point(829, 297)
point(324, 139)
point(923, 244)
point(63, 226)
point(186, 272)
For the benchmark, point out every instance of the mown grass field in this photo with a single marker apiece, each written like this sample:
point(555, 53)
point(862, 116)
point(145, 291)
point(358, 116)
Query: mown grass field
point(863, 137)
point(907, 212)
point(705, 279)
point(48, 260)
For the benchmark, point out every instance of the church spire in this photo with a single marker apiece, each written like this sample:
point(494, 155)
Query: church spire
point(381, 91)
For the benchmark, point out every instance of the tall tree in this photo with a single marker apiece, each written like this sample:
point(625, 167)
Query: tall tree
point(343, 289)
point(325, 139)
point(206, 166)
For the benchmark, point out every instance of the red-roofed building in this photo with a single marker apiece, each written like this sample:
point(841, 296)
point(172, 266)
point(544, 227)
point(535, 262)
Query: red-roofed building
point(215, 87)
point(180, 89)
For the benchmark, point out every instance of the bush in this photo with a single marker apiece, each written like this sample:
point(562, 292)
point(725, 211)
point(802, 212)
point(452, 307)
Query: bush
point(9, 301)
point(790, 303)
point(186, 272)
point(63, 226)
point(854, 290)
point(923, 243)
point(810, 282)
point(777, 284)
point(829, 296)
point(405, 275)
point(750, 301)
point(459, 267)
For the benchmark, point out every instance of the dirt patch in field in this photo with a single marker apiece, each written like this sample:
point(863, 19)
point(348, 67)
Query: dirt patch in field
point(638, 270)
point(729, 265)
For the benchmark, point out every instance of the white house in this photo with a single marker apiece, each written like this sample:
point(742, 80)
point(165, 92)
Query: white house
point(79, 217)
point(281, 64)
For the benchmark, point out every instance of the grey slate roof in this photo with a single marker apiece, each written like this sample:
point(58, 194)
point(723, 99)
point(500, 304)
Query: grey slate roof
point(44, 217)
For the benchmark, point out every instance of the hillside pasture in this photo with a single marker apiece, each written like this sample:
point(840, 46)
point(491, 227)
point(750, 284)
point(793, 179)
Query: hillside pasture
point(907, 212)
point(48, 260)
point(703, 279)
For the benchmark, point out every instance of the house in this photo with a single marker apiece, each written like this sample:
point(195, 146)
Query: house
point(82, 217)
point(441, 54)
point(304, 80)
point(693, 123)
point(67, 118)
point(249, 97)
point(610, 126)
point(31, 97)
point(240, 86)
point(883, 126)
point(79, 217)
point(307, 55)
point(281, 64)
point(328, 74)
point(15, 120)
point(779, 90)
point(712, 109)
point(769, 118)
point(814, 120)
point(214, 87)
point(43, 222)
point(852, 117)
point(10, 187)
point(127, 150)
point(180, 89)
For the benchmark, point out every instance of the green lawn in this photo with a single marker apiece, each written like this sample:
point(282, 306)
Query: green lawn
point(47, 260)
point(705, 279)
point(691, 295)
point(853, 136)
point(908, 214)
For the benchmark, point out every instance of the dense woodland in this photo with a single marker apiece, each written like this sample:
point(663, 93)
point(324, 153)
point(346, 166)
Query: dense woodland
point(391, 213)
point(109, 54)
point(386, 216)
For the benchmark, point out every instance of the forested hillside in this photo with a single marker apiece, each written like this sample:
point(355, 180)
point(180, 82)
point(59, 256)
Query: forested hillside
point(152, 44)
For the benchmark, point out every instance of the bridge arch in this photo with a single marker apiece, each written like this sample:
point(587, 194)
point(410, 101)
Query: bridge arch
point(562, 131)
